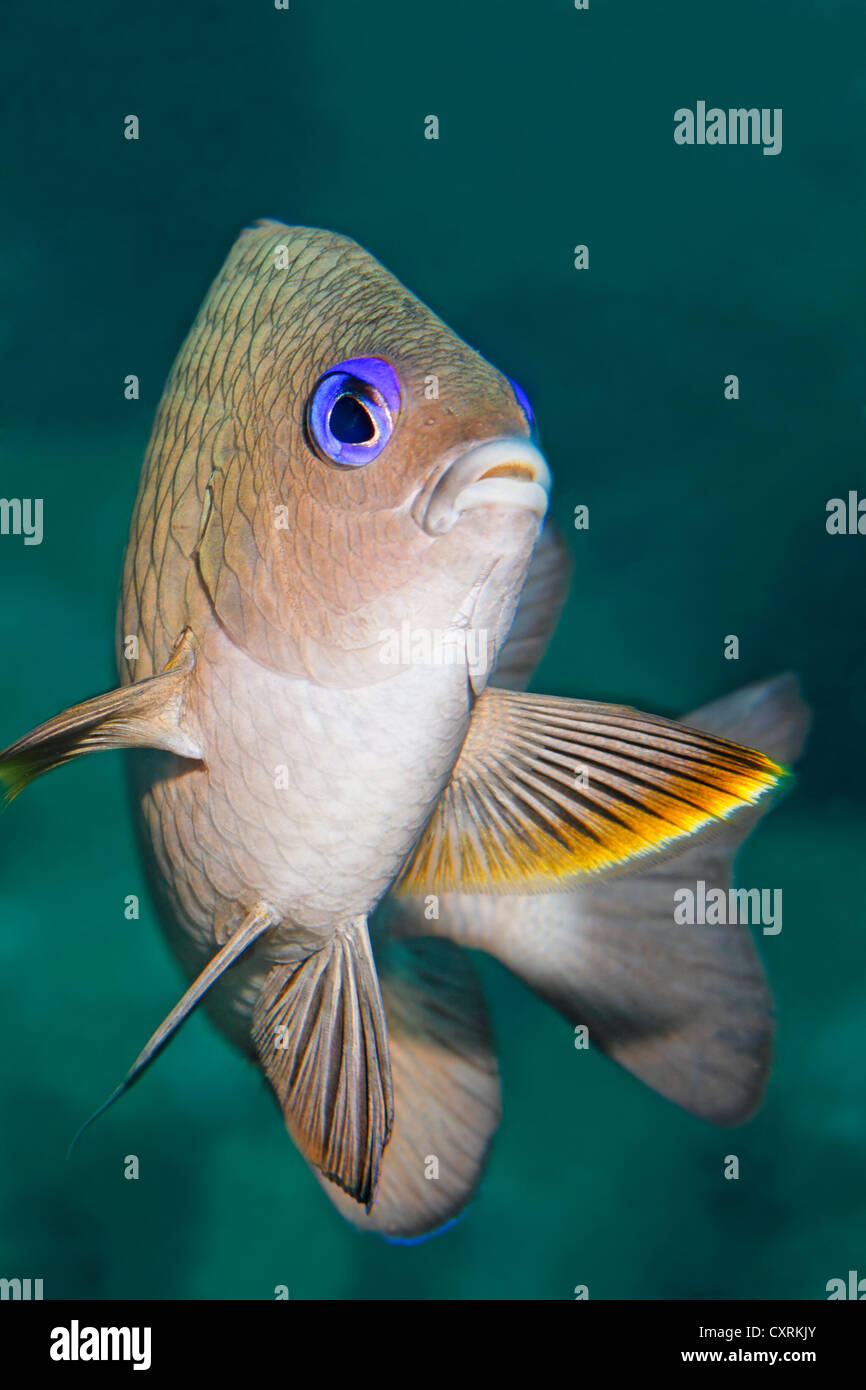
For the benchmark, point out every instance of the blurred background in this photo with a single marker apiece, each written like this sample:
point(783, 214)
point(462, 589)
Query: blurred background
point(707, 518)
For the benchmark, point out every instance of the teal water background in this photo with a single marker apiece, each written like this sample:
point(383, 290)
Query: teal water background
point(707, 518)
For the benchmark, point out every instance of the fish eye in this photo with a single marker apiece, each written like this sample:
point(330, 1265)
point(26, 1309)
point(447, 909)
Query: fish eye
point(353, 409)
point(523, 401)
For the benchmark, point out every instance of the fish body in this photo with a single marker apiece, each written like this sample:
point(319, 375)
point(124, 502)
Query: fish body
point(317, 785)
point(336, 587)
point(310, 799)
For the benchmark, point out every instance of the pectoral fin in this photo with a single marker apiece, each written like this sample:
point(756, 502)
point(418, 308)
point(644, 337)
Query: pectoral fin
point(686, 1009)
point(547, 790)
point(147, 714)
point(320, 1033)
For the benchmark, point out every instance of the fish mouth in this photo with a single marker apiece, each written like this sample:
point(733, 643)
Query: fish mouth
point(500, 472)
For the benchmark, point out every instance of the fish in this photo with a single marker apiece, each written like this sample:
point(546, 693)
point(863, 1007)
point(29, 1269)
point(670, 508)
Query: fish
point(339, 580)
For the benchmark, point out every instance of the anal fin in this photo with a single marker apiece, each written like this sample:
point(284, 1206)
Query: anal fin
point(320, 1033)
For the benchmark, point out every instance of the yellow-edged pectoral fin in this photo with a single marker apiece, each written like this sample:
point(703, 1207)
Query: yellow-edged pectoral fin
point(147, 714)
point(548, 790)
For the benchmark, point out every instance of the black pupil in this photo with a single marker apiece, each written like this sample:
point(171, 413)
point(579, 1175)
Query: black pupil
point(350, 421)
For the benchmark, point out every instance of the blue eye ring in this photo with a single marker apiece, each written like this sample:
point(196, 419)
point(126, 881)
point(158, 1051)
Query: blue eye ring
point(523, 401)
point(352, 411)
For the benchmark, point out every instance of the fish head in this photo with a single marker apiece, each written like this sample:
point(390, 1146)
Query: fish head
point(370, 474)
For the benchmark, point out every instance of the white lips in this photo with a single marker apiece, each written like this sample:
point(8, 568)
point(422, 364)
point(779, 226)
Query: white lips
point(466, 485)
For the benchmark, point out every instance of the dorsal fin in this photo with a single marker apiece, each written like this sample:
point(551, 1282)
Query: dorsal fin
point(541, 599)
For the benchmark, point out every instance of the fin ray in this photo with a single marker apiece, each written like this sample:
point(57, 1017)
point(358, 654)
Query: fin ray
point(446, 1090)
point(320, 1033)
point(257, 920)
point(686, 1009)
point(146, 714)
point(547, 791)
